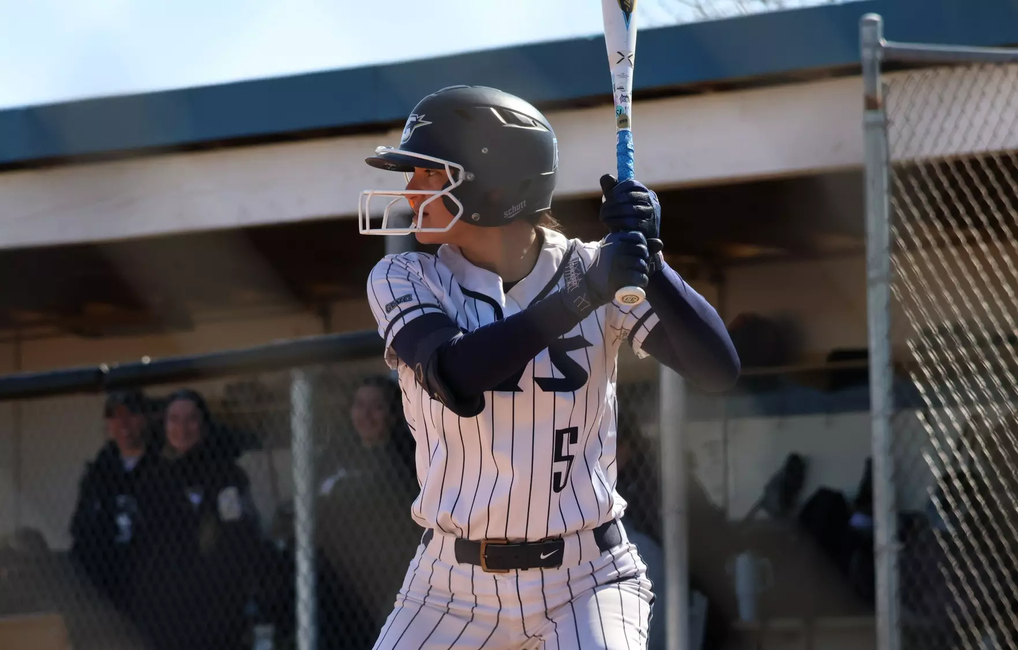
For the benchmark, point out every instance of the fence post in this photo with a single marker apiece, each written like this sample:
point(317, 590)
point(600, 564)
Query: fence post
point(302, 458)
point(878, 300)
point(674, 523)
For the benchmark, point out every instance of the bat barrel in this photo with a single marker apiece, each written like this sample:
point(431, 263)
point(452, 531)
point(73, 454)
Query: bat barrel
point(620, 42)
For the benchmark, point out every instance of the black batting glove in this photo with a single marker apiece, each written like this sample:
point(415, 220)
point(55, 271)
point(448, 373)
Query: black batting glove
point(622, 260)
point(632, 206)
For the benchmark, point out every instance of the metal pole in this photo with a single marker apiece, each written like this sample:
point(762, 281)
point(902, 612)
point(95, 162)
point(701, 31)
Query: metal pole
point(17, 480)
point(878, 300)
point(302, 452)
point(946, 54)
point(673, 507)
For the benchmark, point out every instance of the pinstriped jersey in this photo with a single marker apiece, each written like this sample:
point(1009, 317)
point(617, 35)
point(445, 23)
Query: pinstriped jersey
point(539, 460)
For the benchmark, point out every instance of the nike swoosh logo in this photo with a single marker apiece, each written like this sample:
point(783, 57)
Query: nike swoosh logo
point(545, 556)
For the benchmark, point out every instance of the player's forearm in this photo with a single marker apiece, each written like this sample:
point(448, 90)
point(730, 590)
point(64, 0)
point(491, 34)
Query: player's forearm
point(690, 336)
point(466, 365)
point(480, 360)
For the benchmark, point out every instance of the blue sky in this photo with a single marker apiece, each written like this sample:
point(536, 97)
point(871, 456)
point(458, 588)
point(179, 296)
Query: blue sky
point(57, 50)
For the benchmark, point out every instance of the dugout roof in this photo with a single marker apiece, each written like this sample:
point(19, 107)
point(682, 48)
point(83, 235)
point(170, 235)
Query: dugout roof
point(692, 58)
point(156, 282)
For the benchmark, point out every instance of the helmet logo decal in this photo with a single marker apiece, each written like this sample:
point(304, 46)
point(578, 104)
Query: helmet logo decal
point(413, 123)
point(514, 210)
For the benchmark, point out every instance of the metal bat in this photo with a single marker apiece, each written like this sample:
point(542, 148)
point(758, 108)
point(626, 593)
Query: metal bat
point(620, 41)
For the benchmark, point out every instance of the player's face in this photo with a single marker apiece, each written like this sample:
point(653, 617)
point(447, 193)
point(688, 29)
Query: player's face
point(370, 414)
point(183, 425)
point(435, 214)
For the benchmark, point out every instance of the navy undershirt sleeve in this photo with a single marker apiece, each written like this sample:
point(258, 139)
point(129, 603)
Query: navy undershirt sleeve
point(459, 367)
point(472, 363)
point(690, 337)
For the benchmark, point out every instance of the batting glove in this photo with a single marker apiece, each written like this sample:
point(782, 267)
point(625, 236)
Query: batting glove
point(632, 206)
point(622, 260)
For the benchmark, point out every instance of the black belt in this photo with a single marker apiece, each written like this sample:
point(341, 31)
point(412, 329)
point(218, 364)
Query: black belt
point(500, 556)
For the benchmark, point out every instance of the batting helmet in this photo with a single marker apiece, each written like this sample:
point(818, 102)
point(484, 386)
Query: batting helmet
point(500, 154)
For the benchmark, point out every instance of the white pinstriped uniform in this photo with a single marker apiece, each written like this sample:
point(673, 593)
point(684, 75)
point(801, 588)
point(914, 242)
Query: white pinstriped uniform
point(537, 462)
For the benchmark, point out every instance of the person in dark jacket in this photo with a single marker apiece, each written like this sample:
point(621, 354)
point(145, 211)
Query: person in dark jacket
point(198, 538)
point(365, 496)
point(102, 527)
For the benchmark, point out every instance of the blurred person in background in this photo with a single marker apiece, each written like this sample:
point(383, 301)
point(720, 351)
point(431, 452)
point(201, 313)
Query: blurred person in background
point(381, 435)
point(103, 525)
point(363, 504)
point(712, 540)
point(198, 537)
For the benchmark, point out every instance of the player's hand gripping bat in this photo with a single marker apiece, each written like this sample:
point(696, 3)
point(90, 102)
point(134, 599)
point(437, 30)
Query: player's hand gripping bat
point(620, 40)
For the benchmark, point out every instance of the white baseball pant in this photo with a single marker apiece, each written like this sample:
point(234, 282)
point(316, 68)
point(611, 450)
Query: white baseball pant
point(594, 600)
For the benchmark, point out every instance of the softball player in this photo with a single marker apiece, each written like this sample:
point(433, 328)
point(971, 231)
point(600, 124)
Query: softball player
point(506, 343)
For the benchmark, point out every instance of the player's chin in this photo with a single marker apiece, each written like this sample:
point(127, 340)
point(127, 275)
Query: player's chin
point(430, 238)
point(434, 236)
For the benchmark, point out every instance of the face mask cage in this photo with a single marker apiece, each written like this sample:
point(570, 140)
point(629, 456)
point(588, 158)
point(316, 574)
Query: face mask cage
point(397, 216)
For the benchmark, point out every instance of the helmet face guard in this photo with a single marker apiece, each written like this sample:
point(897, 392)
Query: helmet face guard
point(506, 162)
point(371, 223)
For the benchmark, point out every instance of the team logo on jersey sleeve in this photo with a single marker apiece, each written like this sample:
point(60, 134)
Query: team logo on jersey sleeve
point(397, 302)
point(413, 123)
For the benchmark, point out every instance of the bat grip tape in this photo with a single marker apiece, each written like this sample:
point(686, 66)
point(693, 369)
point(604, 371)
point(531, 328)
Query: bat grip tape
point(624, 154)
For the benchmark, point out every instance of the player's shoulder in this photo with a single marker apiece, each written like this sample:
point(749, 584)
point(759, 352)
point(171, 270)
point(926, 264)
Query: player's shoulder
point(399, 264)
point(586, 250)
point(555, 240)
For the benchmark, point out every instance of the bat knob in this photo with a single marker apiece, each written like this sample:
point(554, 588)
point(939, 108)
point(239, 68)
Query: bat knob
point(630, 296)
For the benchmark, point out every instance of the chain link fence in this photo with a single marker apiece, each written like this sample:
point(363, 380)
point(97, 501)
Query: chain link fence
point(256, 500)
point(943, 185)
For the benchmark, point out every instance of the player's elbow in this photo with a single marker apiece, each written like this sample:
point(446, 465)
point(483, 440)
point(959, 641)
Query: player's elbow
point(463, 406)
point(725, 375)
point(453, 396)
point(721, 374)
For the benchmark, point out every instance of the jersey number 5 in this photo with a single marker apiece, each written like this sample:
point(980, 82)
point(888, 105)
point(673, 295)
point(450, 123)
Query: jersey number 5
point(563, 437)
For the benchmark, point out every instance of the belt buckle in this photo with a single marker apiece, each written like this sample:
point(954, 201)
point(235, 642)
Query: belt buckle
point(484, 549)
